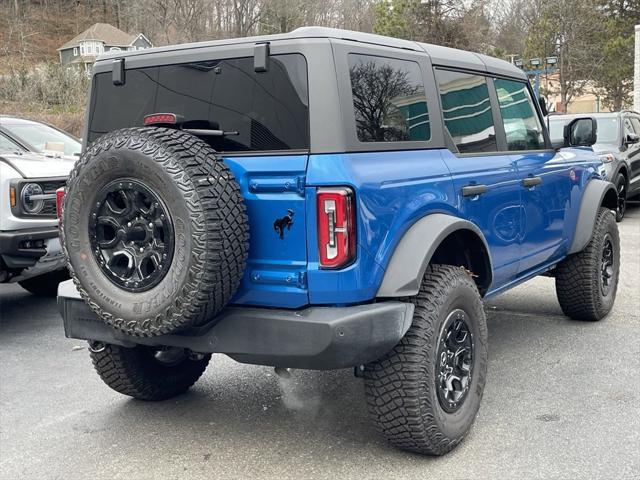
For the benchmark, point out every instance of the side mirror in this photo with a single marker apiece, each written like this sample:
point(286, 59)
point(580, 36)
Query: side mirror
point(631, 138)
point(581, 132)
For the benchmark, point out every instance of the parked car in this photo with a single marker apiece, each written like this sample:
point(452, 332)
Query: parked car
point(30, 251)
point(325, 199)
point(618, 145)
point(30, 136)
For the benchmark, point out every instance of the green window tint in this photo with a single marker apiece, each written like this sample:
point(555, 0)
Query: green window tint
point(521, 123)
point(466, 109)
point(388, 100)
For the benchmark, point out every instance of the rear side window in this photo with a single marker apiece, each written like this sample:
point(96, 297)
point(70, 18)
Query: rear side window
point(388, 99)
point(628, 127)
point(466, 108)
point(521, 123)
point(269, 110)
point(636, 124)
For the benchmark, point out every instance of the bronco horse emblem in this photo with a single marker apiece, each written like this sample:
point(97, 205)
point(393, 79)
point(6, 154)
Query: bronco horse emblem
point(285, 222)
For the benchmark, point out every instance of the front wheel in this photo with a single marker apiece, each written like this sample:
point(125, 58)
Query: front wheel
point(424, 395)
point(148, 373)
point(587, 282)
point(621, 187)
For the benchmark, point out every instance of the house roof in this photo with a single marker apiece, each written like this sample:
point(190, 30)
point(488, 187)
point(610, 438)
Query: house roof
point(104, 32)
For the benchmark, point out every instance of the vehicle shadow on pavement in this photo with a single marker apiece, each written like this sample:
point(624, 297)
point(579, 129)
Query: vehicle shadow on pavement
point(238, 403)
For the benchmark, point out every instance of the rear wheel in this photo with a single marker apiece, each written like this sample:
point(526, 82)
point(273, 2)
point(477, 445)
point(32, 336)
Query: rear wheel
point(148, 373)
point(45, 285)
point(424, 395)
point(587, 282)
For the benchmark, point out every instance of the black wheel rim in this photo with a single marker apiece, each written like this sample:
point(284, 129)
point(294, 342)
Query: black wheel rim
point(607, 268)
point(132, 237)
point(622, 199)
point(454, 361)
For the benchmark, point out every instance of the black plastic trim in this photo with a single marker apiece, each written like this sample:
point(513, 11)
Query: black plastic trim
point(317, 338)
point(10, 241)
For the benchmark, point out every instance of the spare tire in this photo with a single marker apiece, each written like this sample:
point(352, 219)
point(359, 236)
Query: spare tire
point(155, 230)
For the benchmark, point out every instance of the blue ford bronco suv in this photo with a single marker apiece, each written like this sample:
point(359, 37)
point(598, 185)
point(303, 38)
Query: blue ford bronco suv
point(325, 199)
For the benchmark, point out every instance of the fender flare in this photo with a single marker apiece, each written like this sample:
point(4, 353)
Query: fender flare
point(594, 196)
point(413, 253)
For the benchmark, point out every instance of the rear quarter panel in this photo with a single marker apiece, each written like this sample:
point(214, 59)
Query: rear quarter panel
point(393, 190)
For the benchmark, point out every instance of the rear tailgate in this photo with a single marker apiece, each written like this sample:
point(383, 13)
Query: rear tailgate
point(273, 189)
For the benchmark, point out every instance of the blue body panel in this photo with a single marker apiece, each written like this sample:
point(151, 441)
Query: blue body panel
point(393, 190)
point(497, 212)
point(276, 269)
point(528, 229)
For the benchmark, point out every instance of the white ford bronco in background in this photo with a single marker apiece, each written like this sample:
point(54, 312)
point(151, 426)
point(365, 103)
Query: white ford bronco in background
point(30, 251)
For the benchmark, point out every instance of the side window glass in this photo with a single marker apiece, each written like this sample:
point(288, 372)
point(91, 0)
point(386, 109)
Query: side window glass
point(466, 109)
point(388, 99)
point(521, 123)
point(636, 124)
point(628, 127)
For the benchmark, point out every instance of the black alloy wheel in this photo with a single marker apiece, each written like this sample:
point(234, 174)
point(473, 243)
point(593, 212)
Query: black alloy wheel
point(607, 265)
point(621, 185)
point(454, 361)
point(132, 236)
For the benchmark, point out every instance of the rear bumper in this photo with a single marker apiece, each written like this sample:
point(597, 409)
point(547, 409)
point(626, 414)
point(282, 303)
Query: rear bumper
point(315, 337)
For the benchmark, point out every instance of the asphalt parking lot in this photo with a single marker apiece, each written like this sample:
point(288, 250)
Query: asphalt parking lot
point(562, 401)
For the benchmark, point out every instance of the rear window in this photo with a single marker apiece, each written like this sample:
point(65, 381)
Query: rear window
point(269, 110)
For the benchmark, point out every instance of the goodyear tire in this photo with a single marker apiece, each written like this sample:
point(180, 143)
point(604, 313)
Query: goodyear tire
point(424, 395)
point(155, 230)
point(587, 282)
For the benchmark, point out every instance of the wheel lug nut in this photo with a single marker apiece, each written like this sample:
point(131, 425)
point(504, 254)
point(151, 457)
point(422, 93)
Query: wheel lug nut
point(141, 249)
point(150, 225)
point(128, 224)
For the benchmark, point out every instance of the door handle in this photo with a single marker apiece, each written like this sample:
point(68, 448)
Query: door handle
point(531, 182)
point(473, 190)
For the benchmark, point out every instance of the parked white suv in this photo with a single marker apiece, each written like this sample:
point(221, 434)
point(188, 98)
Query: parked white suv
point(30, 252)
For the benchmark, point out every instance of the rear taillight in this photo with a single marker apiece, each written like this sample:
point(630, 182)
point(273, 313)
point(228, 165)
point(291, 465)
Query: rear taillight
point(59, 198)
point(160, 118)
point(336, 227)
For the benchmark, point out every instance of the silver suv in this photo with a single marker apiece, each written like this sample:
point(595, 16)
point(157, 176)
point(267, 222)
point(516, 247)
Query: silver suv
point(618, 145)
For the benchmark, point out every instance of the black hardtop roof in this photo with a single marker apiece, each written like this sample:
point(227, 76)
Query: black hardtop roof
point(443, 56)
